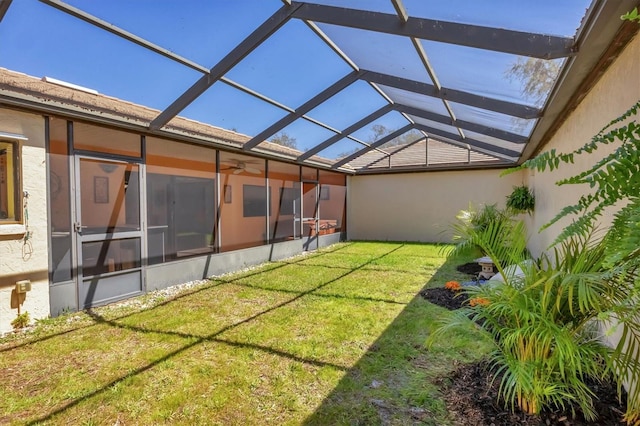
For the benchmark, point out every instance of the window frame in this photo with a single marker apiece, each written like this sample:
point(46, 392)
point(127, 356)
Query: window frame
point(16, 142)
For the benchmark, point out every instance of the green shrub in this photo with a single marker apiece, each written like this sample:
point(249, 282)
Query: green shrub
point(21, 321)
point(473, 227)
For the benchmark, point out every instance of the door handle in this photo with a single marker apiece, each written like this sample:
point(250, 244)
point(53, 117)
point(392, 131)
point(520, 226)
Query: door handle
point(77, 227)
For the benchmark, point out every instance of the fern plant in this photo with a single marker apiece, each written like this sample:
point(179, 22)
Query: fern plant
point(521, 200)
point(616, 177)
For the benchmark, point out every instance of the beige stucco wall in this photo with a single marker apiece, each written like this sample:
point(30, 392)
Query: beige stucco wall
point(614, 93)
point(14, 265)
point(420, 206)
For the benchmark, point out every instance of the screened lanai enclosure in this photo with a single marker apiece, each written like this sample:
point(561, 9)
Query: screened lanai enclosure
point(180, 139)
point(350, 85)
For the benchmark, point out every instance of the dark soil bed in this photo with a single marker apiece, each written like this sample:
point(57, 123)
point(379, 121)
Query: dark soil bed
point(472, 398)
point(471, 268)
point(445, 298)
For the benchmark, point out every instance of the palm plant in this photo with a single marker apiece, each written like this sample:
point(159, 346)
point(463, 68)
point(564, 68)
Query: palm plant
point(615, 180)
point(473, 226)
point(544, 323)
point(547, 325)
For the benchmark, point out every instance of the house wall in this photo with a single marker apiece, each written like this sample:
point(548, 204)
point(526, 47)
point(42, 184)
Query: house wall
point(15, 261)
point(420, 206)
point(164, 159)
point(615, 92)
point(239, 231)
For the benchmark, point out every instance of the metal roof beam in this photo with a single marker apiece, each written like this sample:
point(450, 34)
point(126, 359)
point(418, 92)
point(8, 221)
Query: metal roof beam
point(263, 32)
point(4, 7)
point(516, 42)
point(417, 45)
point(374, 145)
point(345, 58)
point(97, 22)
point(166, 53)
point(302, 110)
point(434, 78)
point(494, 150)
point(400, 10)
point(467, 125)
point(150, 46)
point(354, 127)
point(283, 107)
point(496, 105)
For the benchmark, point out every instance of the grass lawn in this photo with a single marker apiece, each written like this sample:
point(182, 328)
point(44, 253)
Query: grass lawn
point(333, 337)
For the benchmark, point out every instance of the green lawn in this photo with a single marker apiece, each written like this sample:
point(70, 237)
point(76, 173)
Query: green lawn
point(333, 337)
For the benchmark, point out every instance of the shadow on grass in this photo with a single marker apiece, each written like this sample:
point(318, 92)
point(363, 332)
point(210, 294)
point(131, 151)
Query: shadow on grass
point(214, 282)
point(392, 382)
point(398, 380)
point(195, 340)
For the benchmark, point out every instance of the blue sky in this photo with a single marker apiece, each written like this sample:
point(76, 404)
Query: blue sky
point(290, 67)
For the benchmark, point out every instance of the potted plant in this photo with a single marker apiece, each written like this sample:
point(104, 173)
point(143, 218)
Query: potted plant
point(521, 200)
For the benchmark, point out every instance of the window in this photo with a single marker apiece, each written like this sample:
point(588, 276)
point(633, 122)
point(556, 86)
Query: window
point(254, 201)
point(181, 204)
point(10, 207)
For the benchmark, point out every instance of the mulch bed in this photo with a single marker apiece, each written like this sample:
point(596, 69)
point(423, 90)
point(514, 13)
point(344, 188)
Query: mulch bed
point(446, 298)
point(471, 268)
point(472, 397)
